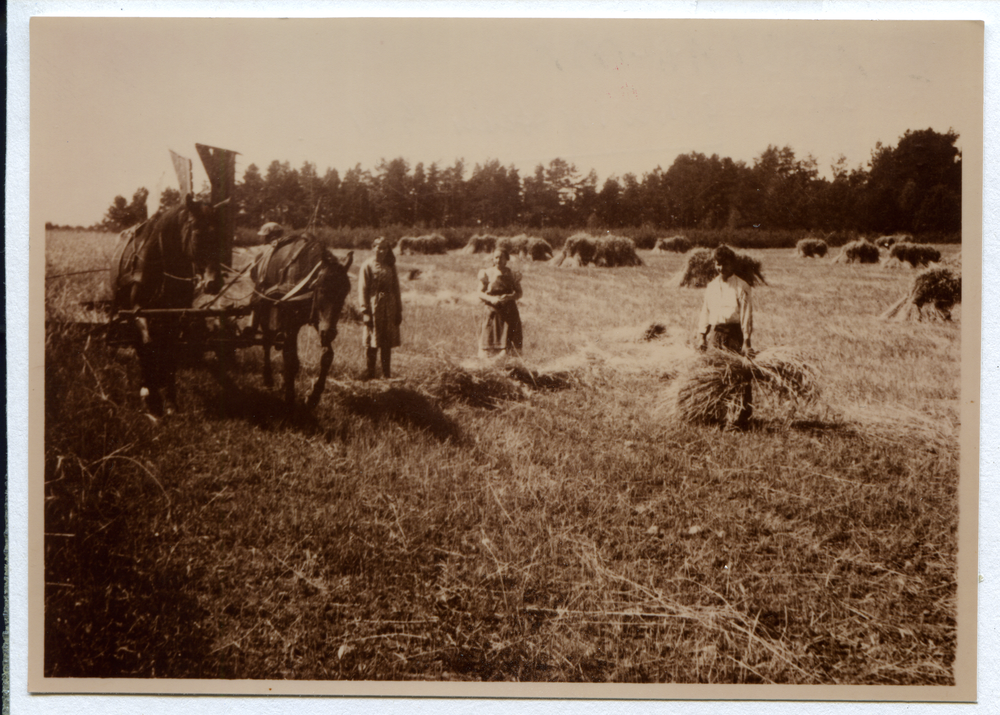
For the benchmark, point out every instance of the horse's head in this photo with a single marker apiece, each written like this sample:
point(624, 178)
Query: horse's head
point(200, 238)
point(332, 286)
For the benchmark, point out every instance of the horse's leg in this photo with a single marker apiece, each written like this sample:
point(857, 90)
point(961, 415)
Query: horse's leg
point(325, 360)
point(169, 354)
point(291, 362)
point(266, 338)
point(149, 392)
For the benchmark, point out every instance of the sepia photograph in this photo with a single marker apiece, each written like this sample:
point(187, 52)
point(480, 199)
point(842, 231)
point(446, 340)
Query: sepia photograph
point(431, 356)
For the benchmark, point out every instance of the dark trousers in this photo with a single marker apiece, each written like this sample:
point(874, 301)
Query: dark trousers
point(371, 354)
point(729, 336)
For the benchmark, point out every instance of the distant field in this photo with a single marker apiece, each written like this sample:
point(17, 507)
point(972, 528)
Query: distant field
point(557, 532)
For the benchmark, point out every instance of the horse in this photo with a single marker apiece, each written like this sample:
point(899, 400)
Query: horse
point(298, 281)
point(160, 264)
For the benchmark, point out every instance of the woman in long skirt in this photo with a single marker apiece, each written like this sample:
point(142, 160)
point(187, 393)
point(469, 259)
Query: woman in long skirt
point(381, 307)
point(499, 290)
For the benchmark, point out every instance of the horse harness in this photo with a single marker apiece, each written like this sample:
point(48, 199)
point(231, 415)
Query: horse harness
point(271, 293)
point(134, 267)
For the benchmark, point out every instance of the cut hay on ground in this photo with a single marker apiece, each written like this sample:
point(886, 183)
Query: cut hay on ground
point(488, 385)
point(934, 293)
point(858, 252)
point(674, 244)
point(913, 254)
point(811, 248)
point(487, 388)
point(653, 331)
point(699, 269)
point(432, 244)
point(541, 380)
point(709, 388)
point(480, 244)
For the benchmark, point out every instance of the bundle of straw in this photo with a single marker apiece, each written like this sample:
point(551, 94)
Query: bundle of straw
point(539, 249)
point(710, 388)
point(699, 269)
point(887, 241)
point(934, 292)
point(858, 252)
point(486, 387)
point(674, 244)
point(480, 244)
point(432, 244)
point(613, 251)
point(810, 247)
point(914, 254)
point(515, 245)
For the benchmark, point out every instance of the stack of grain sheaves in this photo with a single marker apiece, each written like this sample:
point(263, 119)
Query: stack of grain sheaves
point(710, 387)
point(932, 296)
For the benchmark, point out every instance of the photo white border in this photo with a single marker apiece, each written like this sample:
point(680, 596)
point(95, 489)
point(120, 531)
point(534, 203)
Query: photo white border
point(16, 230)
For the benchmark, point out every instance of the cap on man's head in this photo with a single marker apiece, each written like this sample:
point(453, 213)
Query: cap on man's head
point(270, 231)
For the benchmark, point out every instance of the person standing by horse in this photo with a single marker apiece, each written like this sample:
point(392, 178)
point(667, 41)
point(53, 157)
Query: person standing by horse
point(499, 290)
point(726, 321)
point(381, 307)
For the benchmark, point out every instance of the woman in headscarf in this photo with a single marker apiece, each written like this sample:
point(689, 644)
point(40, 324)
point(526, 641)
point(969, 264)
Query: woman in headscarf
point(381, 306)
point(499, 290)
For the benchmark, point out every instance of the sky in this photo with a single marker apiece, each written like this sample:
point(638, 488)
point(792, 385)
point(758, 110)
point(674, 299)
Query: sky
point(110, 96)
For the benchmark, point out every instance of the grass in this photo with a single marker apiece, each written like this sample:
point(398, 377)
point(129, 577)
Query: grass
point(407, 530)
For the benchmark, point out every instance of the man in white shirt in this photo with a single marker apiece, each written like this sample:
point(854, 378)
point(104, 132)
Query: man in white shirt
point(726, 321)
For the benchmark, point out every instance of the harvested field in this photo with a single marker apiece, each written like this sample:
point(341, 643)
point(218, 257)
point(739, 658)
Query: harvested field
point(540, 519)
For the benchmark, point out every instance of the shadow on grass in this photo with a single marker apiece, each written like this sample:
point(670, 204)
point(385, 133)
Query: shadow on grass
point(261, 408)
point(122, 620)
point(810, 426)
point(401, 405)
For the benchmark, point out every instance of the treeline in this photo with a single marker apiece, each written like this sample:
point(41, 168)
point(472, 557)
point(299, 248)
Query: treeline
point(914, 187)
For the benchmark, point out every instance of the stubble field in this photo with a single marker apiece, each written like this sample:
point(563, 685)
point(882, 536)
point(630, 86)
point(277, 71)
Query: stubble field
point(460, 524)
